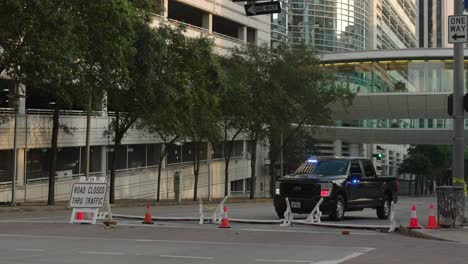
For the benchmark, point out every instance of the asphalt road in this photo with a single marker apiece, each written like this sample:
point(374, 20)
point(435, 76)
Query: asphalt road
point(179, 244)
point(259, 211)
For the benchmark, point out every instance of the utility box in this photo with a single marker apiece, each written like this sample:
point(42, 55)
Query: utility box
point(450, 206)
point(177, 185)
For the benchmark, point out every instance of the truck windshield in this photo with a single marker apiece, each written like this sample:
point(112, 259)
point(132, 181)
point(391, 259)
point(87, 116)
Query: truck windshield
point(326, 167)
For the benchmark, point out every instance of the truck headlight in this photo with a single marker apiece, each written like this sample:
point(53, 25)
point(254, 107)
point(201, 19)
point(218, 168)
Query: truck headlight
point(277, 191)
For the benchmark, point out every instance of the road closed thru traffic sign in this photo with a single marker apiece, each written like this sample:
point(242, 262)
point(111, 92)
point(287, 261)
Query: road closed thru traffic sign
point(458, 29)
point(88, 195)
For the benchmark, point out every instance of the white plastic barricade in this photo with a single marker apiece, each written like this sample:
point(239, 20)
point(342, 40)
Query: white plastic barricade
point(218, 213)
point(288, 216)
point(87, 197)
point(316, 214)
point(392, 218)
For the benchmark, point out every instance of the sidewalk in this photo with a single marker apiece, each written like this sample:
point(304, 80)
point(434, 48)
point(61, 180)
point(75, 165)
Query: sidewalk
point(445, 234)
point(63, 205)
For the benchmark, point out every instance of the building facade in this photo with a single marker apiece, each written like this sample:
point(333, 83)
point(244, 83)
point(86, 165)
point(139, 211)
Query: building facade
point(431, 23)
point(345, 26)
point(223, 21)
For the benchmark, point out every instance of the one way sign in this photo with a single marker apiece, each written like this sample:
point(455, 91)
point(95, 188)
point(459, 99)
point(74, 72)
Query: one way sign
point(457, 29)
point(262, 8)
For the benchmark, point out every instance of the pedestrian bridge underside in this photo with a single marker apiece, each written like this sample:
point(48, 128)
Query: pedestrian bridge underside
point(390, 106)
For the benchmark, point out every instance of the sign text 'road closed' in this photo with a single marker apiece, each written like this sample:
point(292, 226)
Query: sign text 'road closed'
point(88, 195)
point(458, 29)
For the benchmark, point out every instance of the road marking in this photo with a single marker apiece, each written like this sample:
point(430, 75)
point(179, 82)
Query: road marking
point(101, 253)
point(311, 232)
point(30, 249)
point(183, 241)
point(284, 260)
point(341, 260)
point(185, 257)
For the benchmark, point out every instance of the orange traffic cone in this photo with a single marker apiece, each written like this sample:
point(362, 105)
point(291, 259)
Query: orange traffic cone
point(79, 216)
point(148, 218)
point(225, 220)
point(414, 223)
point(431, 219)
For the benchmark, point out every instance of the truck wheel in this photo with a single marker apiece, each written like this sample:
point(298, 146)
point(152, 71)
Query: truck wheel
point(383, 212)
point(338, 210)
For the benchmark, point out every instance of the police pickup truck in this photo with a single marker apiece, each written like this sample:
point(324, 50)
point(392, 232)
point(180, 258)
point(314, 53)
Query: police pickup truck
point(345, 183)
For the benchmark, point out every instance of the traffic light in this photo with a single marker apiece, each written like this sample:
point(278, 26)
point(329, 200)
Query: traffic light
point(379, 156)
point(450, 104)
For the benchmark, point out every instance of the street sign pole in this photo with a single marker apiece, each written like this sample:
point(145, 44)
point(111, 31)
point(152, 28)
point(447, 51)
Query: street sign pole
point(458, 111)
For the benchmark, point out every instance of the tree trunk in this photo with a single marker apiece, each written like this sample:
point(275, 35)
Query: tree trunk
point(196, 169)
point(409, 188)
point(227, 158)
point(161, 158)
point(253, 165)
point(416, 181)
point(226, 175)
point(53, 155)
point(114, 158)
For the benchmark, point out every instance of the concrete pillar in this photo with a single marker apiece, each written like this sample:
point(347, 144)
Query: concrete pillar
point(387, 162)
point(242, 33)
point(354, 150)
point(338, 147)
point(104, 105)
point(104, 161)
point(22, 99)
point(165, 11)
point(207, 22)
point(21, 167)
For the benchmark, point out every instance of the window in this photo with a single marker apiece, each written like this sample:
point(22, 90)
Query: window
point(247, 185)
point(368, 168)
point(355, 167)
point(136, 156)
point(68, 162)
point(188, 152)
point(37, 164)
point(238, 148)
point(6, 165)
point(237, 186)
point(174, 154)
point(95, 159)
point(121, 162)
point(154, 152)
point(217, 151)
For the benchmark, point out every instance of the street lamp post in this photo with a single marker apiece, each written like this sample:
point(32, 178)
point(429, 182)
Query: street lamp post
point(16, 104)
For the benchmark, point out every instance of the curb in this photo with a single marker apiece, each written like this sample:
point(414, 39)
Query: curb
point(347, 226)
point(62, 206)
point(403, 230)
point(384, 228)
point(207, 219)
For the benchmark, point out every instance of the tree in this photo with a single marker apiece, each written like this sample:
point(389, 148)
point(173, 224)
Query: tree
point(287, 89)
point(426, 162)
point(41, 50)
point(304, 91)
point(163, 101)
point(200, 99)
point(234, 99)
point(72, 51)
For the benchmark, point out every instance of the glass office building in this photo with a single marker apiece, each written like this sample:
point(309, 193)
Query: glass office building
point(330, 26)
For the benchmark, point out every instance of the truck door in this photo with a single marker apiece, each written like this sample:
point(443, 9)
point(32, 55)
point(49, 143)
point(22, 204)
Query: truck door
point(355, 187)
point(372, 185)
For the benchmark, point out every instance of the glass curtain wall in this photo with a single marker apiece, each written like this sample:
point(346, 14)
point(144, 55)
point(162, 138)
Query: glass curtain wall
point(330, 26)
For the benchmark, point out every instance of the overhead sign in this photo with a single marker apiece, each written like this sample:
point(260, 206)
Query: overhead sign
point(458, 29)
point(88, 195)
point(262, 8)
